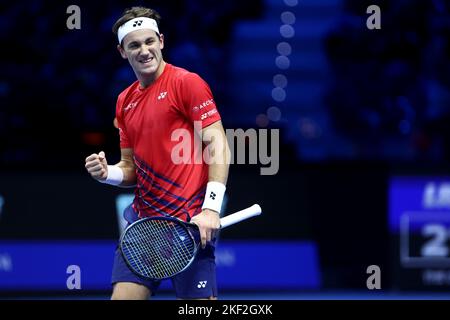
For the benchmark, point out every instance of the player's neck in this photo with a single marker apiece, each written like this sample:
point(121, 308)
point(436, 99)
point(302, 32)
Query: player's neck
point(146, 81)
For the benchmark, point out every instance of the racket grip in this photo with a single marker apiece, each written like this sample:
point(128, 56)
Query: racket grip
point(239, 216)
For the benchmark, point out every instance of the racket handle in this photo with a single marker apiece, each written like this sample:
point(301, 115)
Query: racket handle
point(254, 210)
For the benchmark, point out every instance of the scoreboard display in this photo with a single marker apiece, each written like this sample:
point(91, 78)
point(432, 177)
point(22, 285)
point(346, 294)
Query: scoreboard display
point(419, 223)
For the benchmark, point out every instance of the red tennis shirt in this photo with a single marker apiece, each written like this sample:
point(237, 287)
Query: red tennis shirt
point(148, 121)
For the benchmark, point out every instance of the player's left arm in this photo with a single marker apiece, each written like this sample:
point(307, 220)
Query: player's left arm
point(216, 142)
point(214, 138)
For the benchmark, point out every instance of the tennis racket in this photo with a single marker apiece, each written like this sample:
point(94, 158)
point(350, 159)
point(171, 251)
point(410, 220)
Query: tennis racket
point(158, 248)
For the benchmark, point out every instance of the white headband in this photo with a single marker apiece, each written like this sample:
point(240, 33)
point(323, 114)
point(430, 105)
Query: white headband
point(136, 24)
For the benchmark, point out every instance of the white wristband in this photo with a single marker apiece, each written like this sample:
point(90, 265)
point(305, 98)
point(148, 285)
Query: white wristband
point(215, 192)
point(115, 176)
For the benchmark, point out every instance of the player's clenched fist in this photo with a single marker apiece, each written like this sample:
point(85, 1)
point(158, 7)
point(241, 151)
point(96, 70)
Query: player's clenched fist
point(97, 166)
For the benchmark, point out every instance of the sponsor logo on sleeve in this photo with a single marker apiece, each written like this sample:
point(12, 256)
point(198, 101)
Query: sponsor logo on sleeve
point(203, 105)
point(208, 114)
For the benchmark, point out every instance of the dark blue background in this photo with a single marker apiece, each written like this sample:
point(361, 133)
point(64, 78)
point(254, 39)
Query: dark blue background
point(360, 106)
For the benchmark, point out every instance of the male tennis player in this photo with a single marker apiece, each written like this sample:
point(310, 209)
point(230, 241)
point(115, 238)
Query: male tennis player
point(163, 99)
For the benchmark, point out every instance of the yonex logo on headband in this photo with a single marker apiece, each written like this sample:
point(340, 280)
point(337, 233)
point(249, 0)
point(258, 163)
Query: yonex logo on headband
point(136, 24)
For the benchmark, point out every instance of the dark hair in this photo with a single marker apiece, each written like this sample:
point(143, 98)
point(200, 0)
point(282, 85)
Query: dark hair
point(136, 12)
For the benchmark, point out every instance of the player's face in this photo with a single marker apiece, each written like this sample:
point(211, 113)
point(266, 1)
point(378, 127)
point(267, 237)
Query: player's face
point(143, 48)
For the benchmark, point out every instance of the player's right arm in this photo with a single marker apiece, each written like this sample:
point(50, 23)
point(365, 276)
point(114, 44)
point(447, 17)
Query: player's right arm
point(98, 168)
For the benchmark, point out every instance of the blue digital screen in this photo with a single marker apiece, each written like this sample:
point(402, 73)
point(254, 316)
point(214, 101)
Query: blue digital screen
point(43, 265)
point(419, 214)
point(413, 197)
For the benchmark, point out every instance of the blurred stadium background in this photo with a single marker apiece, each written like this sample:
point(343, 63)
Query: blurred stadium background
point(364, 143)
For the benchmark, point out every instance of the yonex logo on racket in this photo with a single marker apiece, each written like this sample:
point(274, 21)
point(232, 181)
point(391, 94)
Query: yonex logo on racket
point(202, 284)
point(137, 23)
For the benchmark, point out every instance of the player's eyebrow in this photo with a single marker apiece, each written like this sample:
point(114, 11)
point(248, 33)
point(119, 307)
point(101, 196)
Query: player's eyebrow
point(136, 42)
point(133, 43)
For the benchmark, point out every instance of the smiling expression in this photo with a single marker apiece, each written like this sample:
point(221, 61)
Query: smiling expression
point(142, 48)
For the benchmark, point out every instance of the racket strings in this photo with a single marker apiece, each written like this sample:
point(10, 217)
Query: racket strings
point(182, 251)
point(176, 263)
point(158, 248)
point(144, 255)
point(140, 255)
point(145, 251)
